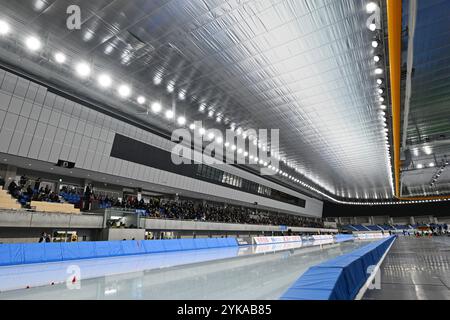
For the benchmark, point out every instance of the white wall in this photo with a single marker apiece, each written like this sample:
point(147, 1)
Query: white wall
point(38, 124)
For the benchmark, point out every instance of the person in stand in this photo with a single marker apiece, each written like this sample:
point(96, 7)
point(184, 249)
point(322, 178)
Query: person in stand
point(43, 237)
point(37, 184)
point(48, 238)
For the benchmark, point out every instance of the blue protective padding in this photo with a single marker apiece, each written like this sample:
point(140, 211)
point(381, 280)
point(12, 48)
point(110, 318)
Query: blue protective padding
point(34, 252)
point(231, 242)
point(172, 245)
point(214, 243)
point(132, 247)
point(14, 254)
point(86, 250)
point(307, 294)
point(187, 244)
point(153, 246)
point(115, 248)
point(201, 243)
point(53, 252)
point(340, 278)
point(70, 251)
point(102, 249)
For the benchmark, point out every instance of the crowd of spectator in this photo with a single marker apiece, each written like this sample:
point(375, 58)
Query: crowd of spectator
point(25, 191)
point(189, 210)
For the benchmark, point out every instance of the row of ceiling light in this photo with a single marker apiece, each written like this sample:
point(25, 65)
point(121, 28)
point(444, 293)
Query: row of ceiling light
point(438, 174)
point(371, 8)
point(104, 80)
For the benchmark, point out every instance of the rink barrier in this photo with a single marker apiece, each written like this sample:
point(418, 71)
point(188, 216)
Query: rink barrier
point(26, 253)
point(344, 237)
point(340, 278)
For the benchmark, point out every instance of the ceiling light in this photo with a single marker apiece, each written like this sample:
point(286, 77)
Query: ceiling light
point(218, 119)
point(376, 58)
point(182, 95)
point(233, 147)
point(380, 91)
point(83, 69)
point(169, 114)
point(104, 80)
point(371, 7)
point(378, 71)
point(239, 131)
point(245, 154)
point(202, 107)
point(427, 150)
point(60, 57)
point(239, 151)
point(210, 135)
point(372, 27)
point(4, 28)
point(192, 126)
point(383, 107)
point(431, 164)
point(157, 79)
point(156, 107)
point(381, 99)
point(210, 113)
point(227, 144)
point(170, 86)
point(141, 100)
point(124, 90)
point(202, 131)
point(33, 43)
point(181, 121)
point(219, 140)
point(379, 81)
point(375, 43)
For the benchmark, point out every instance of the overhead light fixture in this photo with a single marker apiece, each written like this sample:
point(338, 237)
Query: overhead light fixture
point(124, 90)
point(211, 136)
point(170, 86)
point(182, 94)
point(371, 7)
point(375, 43)
point(104, 80)
point(140, 100)
point(83, 70)
point(33, 43)
point(372, 27)
point(169, 114)
point(233, 147)
point(380, 91)
point(156, 107)
point(60, 57)
point(383, 107)
point(379, 81)
point(427, 150)
point(181, 120)
point(378, 71)
point(377, 58)
point(431, 164)
point(227, 144)
point(381, 99)
point(192, 126)
point(210, 113)
point(219, 140)
point(157, 79)
point(202, 131)
point(202, 107)
point(219, 119)
point(4, 28)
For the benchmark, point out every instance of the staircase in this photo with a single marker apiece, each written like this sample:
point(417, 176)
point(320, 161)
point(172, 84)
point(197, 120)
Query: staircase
point(8, 202)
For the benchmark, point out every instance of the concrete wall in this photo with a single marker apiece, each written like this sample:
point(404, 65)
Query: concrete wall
point(175, 225)
point(37, 124)
point(120, 234)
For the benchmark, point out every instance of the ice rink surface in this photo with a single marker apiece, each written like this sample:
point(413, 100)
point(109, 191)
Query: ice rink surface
point(252, 272)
